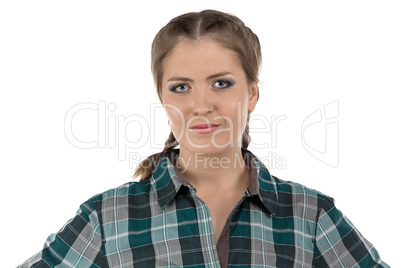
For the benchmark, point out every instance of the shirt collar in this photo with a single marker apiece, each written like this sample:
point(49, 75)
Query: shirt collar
point(167, 180)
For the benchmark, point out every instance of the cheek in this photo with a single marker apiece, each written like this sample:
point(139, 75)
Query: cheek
point(237, 107)
point(175, 115)
point(238, 113)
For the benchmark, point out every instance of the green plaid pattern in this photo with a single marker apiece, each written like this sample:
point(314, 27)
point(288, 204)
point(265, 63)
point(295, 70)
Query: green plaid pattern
point(162, 223)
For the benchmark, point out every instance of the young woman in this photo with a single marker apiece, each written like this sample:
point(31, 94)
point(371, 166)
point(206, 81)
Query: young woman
point(211, 203)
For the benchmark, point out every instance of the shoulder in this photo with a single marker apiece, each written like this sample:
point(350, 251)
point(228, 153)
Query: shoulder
point(299, 199)
point(286, 195)
point(133, 192)
point(284, 186)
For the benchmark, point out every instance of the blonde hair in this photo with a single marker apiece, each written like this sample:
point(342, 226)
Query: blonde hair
point(227, 30)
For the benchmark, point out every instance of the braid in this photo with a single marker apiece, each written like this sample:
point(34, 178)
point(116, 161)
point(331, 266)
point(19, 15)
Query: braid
point(145, 169)
point(246, 138)
point(171, 142)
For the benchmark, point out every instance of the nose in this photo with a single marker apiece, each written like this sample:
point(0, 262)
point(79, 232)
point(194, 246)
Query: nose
point(202, 102)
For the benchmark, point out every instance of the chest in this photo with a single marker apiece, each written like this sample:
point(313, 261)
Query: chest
point(221, 210)
point(182, 235)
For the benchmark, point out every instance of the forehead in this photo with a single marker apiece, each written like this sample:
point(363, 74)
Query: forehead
point(201, 57)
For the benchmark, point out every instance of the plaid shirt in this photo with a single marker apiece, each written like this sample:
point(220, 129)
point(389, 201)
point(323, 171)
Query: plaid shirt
point(162, 223)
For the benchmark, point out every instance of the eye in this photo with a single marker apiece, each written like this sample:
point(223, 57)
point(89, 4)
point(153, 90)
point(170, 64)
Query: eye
point(222, 84)
point(179, 88)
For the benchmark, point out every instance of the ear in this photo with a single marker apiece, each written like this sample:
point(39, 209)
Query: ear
point(253, 96)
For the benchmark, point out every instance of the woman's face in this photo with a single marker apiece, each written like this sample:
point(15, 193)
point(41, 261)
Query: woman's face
point(206, 96)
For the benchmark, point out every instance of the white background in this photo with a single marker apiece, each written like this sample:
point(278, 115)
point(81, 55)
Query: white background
point(55, 55)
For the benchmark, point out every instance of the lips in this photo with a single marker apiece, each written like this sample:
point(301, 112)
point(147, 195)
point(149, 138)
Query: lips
point(204, 126)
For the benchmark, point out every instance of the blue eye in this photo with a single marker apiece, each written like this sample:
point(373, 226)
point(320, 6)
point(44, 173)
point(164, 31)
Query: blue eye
point(222, 84)
point(179, 88)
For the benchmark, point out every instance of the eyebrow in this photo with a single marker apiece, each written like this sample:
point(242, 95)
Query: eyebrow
point(185, 79)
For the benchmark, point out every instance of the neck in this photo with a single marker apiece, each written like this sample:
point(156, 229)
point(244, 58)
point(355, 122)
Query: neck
point(221, 170)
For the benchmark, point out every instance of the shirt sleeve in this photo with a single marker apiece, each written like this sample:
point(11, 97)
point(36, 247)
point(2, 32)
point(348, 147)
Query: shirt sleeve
point(77, 244)
point(339, 244)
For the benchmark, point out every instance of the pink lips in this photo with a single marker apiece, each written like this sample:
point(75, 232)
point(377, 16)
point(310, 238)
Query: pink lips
point(205, 128)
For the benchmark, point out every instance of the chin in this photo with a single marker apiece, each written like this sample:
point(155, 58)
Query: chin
point(211, 149)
